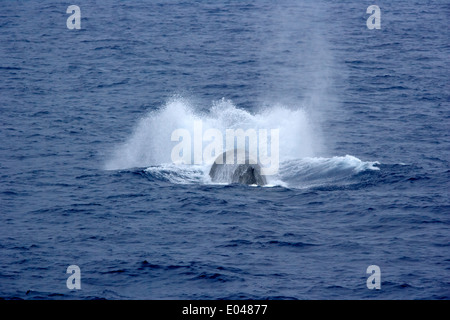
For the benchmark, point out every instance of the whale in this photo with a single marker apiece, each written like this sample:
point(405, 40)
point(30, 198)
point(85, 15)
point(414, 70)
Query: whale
point(247, 173)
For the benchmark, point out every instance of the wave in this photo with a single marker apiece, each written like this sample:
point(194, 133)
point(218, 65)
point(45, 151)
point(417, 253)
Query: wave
point(296, 173)
point(178, 174)
point(319, 171)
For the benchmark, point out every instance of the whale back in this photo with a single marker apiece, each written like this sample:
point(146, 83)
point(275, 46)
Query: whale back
point(247, 173)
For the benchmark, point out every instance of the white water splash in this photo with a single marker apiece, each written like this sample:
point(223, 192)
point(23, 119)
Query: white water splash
point(150, 144)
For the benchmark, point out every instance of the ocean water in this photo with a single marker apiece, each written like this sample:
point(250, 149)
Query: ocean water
point(86, 175)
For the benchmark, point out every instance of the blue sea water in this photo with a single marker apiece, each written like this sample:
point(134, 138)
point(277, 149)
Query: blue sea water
point(86, 177)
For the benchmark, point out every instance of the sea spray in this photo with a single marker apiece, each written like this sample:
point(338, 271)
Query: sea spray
point(151, 143)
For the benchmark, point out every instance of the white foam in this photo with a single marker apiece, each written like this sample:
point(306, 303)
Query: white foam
point(311, 171)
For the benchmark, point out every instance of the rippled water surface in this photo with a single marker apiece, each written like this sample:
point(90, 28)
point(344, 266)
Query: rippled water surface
point(86, 118)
